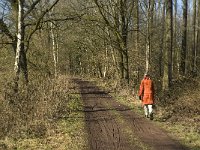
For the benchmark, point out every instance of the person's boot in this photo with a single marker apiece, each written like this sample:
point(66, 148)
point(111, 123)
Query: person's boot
point(151, 116)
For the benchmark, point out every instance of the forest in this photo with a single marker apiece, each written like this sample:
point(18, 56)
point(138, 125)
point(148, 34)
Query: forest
point(46, 43)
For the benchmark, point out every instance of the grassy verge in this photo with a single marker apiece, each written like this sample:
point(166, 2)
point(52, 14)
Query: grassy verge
point(186, 135)
point(182, 131)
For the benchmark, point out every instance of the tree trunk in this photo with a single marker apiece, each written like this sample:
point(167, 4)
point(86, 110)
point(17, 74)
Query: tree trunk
point(167, 77)
point(184, 40)
point(20, 40)
point(194, 51)
point(54, 47)
point(138, 56)
point(176, 61)
point(124, 33)
point(198, 38)
point(149, 34)
point(106, 65)
point(121, 64)
point(162, 42)
point(148, 39)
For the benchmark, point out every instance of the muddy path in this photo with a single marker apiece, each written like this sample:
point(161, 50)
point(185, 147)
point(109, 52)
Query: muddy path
point(113, 126)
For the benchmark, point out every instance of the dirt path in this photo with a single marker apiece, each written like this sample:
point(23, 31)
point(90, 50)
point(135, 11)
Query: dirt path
point(112, 126)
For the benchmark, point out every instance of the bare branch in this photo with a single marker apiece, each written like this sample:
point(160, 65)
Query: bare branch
point(31, 8)
point(5, 30)
point(39, 21)
point(57, 19)
point(105, 19)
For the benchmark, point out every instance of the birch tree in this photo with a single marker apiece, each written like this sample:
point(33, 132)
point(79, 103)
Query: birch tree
point(118, 23)
point(54, 48)
point(19, 44)
point(21, 58)
point(20, 41)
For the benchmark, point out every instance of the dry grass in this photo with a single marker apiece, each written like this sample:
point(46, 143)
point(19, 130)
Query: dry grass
point(180, 111)
point(42, 116)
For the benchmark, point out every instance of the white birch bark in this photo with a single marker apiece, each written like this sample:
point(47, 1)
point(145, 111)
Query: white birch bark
point(57, 48)
point(19, 40)
point(106, 64)
point(54, 46)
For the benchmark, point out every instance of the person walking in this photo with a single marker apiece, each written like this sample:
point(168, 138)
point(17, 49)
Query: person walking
point(146, 95)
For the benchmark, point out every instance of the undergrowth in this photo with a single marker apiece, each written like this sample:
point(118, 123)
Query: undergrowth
point(42, 116)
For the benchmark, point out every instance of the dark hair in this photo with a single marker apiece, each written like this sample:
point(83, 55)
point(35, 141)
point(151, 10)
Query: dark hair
point(146, 74)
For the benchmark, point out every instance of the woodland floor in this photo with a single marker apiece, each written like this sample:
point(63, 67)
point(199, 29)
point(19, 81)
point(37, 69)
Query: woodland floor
point(113, 126)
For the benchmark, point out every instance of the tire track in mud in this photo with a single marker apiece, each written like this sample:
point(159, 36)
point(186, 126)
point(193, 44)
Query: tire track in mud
point(108, 132)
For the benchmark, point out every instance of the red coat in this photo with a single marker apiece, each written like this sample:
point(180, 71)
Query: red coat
point(147, 91)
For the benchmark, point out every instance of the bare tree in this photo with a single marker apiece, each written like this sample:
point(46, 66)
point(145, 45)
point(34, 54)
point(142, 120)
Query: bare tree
point(118, 23)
